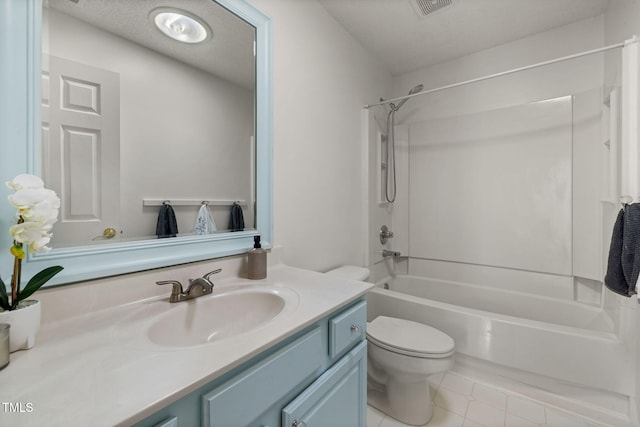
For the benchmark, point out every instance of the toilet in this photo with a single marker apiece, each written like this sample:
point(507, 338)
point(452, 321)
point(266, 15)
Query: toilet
point(401, 355)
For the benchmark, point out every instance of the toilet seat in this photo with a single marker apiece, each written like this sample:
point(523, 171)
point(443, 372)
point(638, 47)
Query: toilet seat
point(409, 338)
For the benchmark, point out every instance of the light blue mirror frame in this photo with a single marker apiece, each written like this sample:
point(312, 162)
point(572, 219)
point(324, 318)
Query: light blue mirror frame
point(20, 98)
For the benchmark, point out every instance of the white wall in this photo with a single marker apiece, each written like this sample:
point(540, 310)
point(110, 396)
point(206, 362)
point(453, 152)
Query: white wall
point(516, 89)
point(201, 135)
point(322, 79)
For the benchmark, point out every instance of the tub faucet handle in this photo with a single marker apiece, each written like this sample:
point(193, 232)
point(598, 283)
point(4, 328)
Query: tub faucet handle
point(385, 234)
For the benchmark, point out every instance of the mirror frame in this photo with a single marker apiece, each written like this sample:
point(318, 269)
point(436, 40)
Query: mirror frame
point(20, 130)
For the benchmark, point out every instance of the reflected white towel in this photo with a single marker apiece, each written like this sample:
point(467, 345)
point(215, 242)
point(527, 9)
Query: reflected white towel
point(204, 223)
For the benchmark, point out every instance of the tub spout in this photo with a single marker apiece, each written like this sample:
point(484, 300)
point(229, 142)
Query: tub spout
point(386, 253)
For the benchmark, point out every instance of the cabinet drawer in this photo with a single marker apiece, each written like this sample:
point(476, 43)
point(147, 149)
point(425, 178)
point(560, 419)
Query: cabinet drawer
point(238, 402)
point(347, 328)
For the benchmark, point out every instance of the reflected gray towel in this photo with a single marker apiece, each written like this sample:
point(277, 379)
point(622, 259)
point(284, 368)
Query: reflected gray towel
point(623, 264)
point(167, 225)
point(236, 218)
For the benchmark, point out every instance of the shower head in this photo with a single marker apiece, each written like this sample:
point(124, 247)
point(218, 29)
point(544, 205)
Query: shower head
point(413, 91)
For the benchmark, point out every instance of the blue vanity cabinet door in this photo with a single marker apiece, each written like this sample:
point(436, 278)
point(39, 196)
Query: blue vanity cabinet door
point(336, 399)
point(171, 422)
point(241, 401)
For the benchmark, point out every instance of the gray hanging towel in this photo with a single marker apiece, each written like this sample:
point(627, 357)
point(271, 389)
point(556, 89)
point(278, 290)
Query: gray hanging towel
point(236, 218)
point(623, 265)
point(167, 225)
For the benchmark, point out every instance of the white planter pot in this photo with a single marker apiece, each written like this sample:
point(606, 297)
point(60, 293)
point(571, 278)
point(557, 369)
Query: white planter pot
point(25, 322)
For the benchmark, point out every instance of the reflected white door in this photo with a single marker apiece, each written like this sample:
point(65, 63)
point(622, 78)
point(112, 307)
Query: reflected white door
point(81, 148)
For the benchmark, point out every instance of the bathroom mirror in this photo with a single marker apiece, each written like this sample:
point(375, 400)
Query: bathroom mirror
point(136, 114)
point(85, 259)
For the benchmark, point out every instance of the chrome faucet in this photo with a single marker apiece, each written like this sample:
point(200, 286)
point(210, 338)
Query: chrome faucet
point(386, 253)
point(197, 287)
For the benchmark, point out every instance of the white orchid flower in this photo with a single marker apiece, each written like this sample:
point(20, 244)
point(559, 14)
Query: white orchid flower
point(38, 209)
point(33, 234)
point(40, 244)
point(25, 180)
point(36, 204)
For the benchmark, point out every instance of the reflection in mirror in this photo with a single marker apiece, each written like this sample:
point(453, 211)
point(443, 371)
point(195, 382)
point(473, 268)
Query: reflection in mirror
point(133, 118)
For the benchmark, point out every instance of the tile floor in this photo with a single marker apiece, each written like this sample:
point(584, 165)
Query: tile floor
point(460, 402)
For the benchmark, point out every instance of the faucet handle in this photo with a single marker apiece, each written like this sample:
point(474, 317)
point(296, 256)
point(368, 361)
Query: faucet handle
point(206, 276)
point(176, 289)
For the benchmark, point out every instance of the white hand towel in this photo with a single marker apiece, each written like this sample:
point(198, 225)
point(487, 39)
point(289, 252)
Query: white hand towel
point(204, 223)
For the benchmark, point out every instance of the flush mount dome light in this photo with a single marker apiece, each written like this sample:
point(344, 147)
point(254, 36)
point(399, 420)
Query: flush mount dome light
point(180, 25)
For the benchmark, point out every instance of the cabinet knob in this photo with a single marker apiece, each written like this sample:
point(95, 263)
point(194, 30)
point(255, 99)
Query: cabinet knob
point(297, 423)
point(356, 328)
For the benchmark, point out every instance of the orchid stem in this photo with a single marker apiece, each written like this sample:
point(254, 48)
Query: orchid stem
point(15, 279)
point(17, 271)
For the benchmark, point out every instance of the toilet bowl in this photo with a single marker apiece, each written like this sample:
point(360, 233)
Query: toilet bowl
point(401, 355)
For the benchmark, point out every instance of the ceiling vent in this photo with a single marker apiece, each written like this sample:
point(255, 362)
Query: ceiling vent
point(427, 7)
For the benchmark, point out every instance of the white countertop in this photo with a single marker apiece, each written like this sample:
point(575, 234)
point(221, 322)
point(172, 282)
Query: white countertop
point(99, 369)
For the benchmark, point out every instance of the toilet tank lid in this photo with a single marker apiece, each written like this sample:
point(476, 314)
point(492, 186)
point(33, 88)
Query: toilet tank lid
point(409, 336)
point(352, 272)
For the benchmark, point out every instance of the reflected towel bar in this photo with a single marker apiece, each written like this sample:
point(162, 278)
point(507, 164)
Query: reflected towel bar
point(192, 202)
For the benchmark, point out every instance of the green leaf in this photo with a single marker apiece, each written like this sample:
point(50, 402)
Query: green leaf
point(4, 298)
point(37, 281)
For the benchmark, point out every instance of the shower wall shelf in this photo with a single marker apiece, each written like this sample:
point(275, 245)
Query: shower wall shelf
point(192, 202)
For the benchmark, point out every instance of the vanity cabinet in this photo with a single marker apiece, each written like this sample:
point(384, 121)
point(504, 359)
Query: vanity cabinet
point(316, 378)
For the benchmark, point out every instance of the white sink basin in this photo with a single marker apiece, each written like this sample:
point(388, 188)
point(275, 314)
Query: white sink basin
point(220, 316)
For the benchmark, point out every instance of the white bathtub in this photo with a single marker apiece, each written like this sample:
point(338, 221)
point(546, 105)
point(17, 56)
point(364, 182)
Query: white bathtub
point(562, 340)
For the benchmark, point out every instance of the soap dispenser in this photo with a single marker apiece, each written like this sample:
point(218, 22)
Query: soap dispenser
point(257, 264)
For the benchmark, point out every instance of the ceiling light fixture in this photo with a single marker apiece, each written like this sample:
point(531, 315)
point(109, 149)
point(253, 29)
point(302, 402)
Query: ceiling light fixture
point(180, 25)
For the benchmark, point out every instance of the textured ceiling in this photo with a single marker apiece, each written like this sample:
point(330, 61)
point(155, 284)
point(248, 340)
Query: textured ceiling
point(390, 29)
point(228, 55)
point(394, 32)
